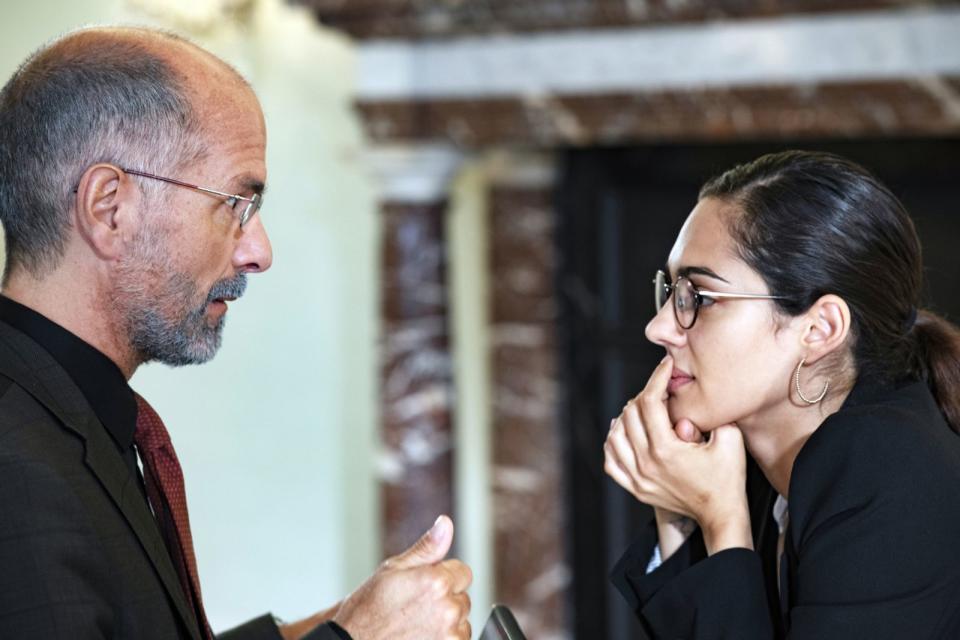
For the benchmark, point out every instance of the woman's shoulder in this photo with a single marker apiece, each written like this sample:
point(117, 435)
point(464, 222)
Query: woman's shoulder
point(890, 443)
point(892, 420)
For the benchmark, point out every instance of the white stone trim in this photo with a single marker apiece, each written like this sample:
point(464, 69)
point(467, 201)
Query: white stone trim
point(792, 50)
point(414, 173)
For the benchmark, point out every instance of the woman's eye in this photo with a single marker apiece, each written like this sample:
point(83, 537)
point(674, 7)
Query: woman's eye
point(231, 202)
point(706, 301)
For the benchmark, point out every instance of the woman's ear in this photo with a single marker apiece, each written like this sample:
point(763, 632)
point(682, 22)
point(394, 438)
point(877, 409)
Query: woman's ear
point(827, 327)
point(105, 206)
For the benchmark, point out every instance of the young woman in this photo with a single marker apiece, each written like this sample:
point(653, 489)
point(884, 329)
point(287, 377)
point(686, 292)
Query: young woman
point(789, 313)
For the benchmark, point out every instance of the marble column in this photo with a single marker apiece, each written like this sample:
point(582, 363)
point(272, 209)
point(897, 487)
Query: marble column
point(532, 574)
point(416, 468)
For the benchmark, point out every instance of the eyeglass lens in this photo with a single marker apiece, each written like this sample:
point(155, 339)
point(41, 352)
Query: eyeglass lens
point(684, 298)
point(250, 208)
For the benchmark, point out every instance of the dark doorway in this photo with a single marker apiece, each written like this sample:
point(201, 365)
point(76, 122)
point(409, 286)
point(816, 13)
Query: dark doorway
point(620, 211)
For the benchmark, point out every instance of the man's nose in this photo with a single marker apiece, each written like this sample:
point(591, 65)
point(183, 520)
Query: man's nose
point(254, 253)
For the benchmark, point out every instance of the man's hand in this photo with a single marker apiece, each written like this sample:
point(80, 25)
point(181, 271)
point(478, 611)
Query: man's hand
point(416, 595)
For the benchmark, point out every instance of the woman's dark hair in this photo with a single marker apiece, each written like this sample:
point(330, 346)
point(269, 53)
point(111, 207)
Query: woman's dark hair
point(815, 223)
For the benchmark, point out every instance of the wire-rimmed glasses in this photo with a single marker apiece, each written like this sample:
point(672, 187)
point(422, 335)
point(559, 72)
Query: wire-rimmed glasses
point(232, 200)
point(688, 298)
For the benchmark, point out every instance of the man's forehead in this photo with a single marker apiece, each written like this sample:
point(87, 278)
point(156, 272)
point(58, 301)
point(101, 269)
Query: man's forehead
point(225, 105)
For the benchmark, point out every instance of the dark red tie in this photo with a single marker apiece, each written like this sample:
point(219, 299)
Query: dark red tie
point(163, 478)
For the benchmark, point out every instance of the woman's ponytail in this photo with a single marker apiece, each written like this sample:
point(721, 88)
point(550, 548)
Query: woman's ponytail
point(938, 349)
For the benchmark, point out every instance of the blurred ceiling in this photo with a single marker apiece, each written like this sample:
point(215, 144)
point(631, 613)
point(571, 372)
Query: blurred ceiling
point(415, 19)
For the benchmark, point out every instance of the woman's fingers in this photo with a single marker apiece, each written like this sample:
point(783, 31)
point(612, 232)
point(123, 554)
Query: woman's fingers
point(618, 474)
point(633, 429)
point(727, 438)
point(653, 459)
point(621, 448)
point(652, 403)
point(687, 432)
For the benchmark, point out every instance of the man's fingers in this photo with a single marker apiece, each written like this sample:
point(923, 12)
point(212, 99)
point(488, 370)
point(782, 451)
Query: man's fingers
point(460, 575)
point(462, 601)
point(454, 617)
point(431, 548)
point(464, 631)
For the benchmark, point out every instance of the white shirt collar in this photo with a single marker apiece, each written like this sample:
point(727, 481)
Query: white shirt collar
point(780, 513)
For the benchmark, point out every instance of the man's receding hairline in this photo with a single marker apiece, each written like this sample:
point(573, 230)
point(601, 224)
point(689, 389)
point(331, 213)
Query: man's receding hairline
point(168, 47)
point(161, 43)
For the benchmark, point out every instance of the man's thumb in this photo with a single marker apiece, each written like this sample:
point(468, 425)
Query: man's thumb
point(432, 547)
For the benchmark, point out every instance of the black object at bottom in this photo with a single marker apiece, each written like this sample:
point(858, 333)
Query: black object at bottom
point(501, 625)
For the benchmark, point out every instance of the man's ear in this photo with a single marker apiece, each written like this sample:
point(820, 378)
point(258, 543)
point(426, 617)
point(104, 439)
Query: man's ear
point(827, 325)
point(105, 209)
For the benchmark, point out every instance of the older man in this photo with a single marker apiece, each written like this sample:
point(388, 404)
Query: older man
point(131, 176)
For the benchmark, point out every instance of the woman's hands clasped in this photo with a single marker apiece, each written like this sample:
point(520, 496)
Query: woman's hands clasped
point(672, 468)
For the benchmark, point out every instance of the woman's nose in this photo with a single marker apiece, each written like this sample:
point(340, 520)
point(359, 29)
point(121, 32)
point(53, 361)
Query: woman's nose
point(663, 328)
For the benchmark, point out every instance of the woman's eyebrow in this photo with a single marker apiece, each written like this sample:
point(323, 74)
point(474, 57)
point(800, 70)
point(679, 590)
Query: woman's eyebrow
point(686, 272)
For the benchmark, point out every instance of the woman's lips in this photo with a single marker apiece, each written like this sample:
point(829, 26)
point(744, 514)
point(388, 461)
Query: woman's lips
point(677, 380)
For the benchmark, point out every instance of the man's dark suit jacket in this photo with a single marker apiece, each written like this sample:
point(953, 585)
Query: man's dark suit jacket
point(872, 549)
point(81, 557)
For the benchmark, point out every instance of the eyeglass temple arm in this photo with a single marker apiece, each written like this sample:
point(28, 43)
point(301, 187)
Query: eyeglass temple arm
point(188, 185)
point(721, 294)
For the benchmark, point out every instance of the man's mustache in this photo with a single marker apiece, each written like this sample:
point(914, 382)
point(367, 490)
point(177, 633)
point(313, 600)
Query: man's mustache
point(229, 288)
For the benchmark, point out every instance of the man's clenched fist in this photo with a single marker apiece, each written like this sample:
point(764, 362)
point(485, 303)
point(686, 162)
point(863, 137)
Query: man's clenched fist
point(416, 595)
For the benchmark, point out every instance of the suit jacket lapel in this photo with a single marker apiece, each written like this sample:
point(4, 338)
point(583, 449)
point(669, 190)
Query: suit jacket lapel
point(30, 366)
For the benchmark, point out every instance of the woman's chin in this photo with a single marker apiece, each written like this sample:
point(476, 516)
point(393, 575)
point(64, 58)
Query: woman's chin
point(679, 410)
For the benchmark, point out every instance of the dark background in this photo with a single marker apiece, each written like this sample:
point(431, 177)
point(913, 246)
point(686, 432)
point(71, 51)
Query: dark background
point(620, 211)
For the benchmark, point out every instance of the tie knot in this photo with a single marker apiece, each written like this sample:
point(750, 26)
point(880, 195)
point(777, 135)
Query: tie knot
point(151, 434)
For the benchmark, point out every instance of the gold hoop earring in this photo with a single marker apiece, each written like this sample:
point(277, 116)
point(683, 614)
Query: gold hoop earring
point(826, 385)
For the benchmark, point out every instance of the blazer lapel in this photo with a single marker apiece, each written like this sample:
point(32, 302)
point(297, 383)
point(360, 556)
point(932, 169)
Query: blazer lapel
point(788, 577)
point(30, 366)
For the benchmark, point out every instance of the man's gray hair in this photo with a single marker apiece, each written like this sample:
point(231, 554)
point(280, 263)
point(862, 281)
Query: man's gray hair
point(74, 104)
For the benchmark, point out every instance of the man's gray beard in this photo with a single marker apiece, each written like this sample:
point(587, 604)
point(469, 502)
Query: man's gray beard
point(156, 338)
point(169, 325)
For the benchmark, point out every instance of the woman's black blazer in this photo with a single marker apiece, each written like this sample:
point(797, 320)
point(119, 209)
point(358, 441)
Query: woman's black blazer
point(872, 549)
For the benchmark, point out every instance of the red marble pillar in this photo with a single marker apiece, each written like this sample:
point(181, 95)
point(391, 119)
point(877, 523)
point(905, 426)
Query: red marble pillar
point(416, 463)
point(531, 573)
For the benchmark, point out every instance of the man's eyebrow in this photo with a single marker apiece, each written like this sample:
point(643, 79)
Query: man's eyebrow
point(248, 183)
point(686, 272)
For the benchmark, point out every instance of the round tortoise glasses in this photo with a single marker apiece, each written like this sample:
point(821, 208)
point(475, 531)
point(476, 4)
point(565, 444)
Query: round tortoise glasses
point(688, 298)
